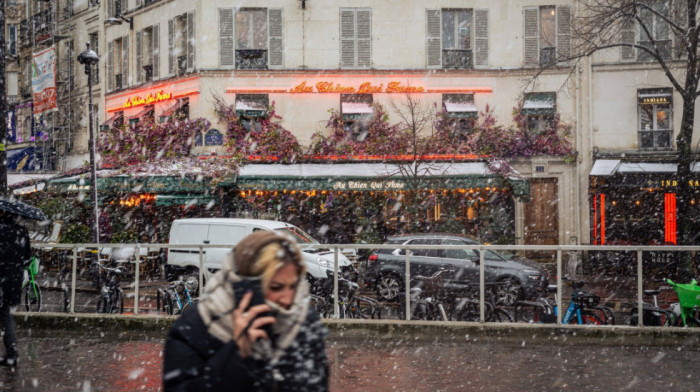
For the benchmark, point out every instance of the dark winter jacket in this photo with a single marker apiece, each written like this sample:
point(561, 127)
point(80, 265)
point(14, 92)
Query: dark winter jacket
point(194, 360)
point(15, 252)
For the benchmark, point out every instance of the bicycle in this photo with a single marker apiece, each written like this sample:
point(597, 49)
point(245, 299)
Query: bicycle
point(30, 288)
point(177, 296)
point(111, 294)
point(349, 305)
point(428, 302)
point(689, 298)
point(583, 308)
point(652, 314)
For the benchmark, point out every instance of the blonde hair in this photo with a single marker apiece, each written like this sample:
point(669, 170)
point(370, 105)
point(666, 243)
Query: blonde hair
point(269, 262)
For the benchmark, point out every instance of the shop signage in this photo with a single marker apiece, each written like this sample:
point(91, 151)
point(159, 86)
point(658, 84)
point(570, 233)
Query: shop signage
point(363, 184)
point(654, 100)
point(149, 99)
point(364, 88)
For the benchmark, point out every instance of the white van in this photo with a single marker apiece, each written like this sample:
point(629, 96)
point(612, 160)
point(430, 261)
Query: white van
point(229, 231)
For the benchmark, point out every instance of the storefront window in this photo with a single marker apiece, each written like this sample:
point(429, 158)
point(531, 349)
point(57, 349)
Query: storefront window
point(461, 109)
point(655, 118)
point(357, 112)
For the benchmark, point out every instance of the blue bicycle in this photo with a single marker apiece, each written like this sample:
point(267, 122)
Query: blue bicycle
point(177, 296)
point(583, 308)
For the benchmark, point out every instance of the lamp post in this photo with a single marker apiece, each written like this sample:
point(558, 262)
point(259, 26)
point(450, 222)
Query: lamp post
point(89, 58)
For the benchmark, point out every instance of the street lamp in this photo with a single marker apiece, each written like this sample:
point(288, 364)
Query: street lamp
point(89, 58)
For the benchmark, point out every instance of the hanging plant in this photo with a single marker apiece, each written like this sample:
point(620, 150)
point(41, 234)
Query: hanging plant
point(381, 138)
point(268, 140)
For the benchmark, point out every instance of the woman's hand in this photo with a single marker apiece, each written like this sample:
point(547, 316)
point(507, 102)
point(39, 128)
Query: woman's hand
point(246, 327)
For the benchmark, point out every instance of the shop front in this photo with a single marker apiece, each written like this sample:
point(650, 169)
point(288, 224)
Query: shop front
point(634, 203)
point(355, 202)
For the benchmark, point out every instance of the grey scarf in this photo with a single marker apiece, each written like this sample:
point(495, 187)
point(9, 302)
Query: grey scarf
point(217, 304)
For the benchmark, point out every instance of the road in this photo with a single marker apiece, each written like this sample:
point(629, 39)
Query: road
point(59, 360)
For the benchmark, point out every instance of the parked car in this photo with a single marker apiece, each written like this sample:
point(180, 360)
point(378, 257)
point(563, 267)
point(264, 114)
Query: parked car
point(385, 269)
point(229, 231)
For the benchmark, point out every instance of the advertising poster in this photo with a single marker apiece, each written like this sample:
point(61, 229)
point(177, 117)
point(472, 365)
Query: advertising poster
point(44, 80)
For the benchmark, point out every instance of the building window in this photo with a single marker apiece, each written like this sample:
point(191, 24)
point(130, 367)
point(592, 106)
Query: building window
point(251, 108)
point(12, 88)
point(12, 34)
point(258, 38)
point(659, 31)
point(357, 112)
point(463, 113)
point(93, 38)
point(118, 63)
point(655, 118)
point(547, 35)
point(115, 7)
point(181, 44)
point(540, 109)
point(355, 38)
point(147, 47)
point(457, 38)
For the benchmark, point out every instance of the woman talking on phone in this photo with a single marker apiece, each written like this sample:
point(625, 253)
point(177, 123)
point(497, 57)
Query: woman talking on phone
point(253, 329)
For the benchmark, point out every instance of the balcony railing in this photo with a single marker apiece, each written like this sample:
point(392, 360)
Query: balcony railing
point(457, 59)
point(251, 59)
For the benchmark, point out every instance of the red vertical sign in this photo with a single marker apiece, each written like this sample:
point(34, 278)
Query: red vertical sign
point(670, 218)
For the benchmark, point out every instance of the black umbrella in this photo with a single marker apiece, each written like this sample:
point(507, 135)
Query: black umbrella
point(23, 209)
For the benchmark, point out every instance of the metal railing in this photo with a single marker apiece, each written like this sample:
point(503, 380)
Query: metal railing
point(639, 250)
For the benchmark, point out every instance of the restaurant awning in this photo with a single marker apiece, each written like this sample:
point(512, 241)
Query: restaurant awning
point(620, 173)
point(370, 177)
point(107, 182)
point(117, 119)
point(353, 110)
point(251, 108)
point(461, 109)
point(539, 103)
point(173, 109)
point(147, 111)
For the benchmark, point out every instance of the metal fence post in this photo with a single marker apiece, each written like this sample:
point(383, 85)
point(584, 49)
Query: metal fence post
point(559, 278)
point(640, 290)
point(482, 284)
point(407, 285)
point(201, 270)
point(74, 268)
point(137, 271)
point(336, 309)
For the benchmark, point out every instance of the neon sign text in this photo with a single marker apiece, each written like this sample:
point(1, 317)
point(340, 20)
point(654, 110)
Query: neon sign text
point(149, 99)
point(364, 88)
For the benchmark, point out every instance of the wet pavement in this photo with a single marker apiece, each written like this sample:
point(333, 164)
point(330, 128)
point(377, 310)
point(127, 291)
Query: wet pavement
point(92, 360)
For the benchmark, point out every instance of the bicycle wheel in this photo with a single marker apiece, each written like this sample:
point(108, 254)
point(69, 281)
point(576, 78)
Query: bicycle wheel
point(501, 316)
point(102, 304)
point(421, 312)
point(364, 308)
point(468, 311)
point(32, 297)
point(117, 301)
point(168, 303)
point(526, 313)
point(587, 318)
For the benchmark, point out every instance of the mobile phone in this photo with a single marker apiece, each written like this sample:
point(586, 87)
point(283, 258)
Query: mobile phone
point(253, 285)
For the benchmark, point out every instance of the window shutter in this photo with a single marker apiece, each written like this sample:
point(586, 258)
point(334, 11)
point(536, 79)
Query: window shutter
point(139, 54)
point(125, 61)
point(364, 38)
point(347, 38)
point(110, 8)
point(481, 38)
point(139, 3)
point(563, 32)
point(171, 46)
point(155, 38)
point(627, 36)
point(275, 44)
point(226, 40)
point(190, 41)
point(433, 44)
point(680, 17)
point(110, 66)
point(531, 36)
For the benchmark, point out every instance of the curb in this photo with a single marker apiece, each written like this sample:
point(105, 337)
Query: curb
point(404, 332)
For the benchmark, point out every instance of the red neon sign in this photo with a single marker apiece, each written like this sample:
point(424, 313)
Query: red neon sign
point(151, 98)
point(364, 88)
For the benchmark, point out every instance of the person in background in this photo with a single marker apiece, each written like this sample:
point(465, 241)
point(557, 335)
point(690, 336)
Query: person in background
point(223, 345)
point(15, 253)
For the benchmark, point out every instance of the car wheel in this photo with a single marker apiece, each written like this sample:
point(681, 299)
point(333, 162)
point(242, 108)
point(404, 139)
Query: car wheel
point(388, 287)
point(509, 292)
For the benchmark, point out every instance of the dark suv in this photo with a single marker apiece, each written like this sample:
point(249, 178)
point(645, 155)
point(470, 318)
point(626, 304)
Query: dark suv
point(385, 267)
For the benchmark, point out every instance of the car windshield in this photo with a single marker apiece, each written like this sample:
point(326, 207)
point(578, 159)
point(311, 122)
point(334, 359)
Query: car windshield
point(298, 234)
